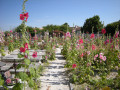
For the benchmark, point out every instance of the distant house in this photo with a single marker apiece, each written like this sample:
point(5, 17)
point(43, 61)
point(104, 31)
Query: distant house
point(77, 29)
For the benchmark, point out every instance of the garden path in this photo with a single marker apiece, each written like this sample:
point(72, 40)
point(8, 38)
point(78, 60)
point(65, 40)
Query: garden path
point(54, 77)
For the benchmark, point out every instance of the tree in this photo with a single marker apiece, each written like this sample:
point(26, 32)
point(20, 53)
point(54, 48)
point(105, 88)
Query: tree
point(65, 27)
point(110, 28)
point(92, 24)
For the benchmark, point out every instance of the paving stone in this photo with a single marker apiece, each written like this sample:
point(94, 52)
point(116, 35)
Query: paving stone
point(55, 78)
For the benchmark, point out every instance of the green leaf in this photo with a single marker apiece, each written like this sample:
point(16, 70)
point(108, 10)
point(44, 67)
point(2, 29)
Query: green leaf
point(31, 82)
point(19, 66)
point(27, 61)
point(32, 71)
point(20, 55)
point(18, 86)
point(23, 76)
point(27, 52)
point(119, 72)
point(1, 80)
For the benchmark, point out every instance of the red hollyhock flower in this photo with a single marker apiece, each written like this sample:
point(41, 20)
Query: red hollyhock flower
point(26, 56)
point(26, 46)
point(21, 16)
point(34, 54)
point(92, 35)
point(103, 31)
point(93, 47)
point(82, 55)
point(26, 15)
point(80, 41)
point(22, 49)
point(74, 66)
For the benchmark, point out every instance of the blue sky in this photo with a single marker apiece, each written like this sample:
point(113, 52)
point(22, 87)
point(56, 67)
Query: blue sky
point(57, 12)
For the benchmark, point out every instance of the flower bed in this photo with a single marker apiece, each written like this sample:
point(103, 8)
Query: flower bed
point(92, 60)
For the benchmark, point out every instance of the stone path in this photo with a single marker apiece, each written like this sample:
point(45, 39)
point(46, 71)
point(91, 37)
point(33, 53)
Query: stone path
point(54, 77)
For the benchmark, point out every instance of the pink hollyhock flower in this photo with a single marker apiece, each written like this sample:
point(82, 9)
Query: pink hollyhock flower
point(34, 55)
point(45, 57)
point(95, 57)
point(119, 56)
point(88, 64)
point(78, 46)
point(11, 31)
point(93, 47)
point(67, 34)
point(88, 52)
point(116, 35)
point(111, 40)
point(92, 35)
point(80, 41)
point(26, 46)
point(107, 41)
point(82, 55)
point(8, 81)
point(74, 66)
point(117, 47)
point(82, 47)
point(104, 58)
point(103, 31)
point(35, 31)
point(21, 16)
point(101, 56)
point(22, 49)
point(8, 34)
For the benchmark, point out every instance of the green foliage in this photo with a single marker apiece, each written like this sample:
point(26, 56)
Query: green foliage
point(22, 75)
point(1, 80)
point(18, 86)
point(51, 28)
point(27, 61)
point(110, 28)
point(92, 24)
point(2, 51)
point(31, 82)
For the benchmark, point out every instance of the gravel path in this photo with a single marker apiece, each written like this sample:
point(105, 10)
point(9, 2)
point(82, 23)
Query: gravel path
point(54, 77)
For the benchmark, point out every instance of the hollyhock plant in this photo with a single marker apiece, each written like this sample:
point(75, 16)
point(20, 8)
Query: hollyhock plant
point(24, 16)
point(10, 31)
point(89, 64)
point(82, 55)
point(103, 31)
point(88, 52)
point(34, 55)
point(67, 34)
point(74, 66)
point(26, 46)
point(21, 16)
point(22, 49)
point(26, 56)
point(92, 35)
point(80, 41)
point(45, 57)
point(104, 58)
point(93, 47)
point(8, 81)
point(116, 34)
